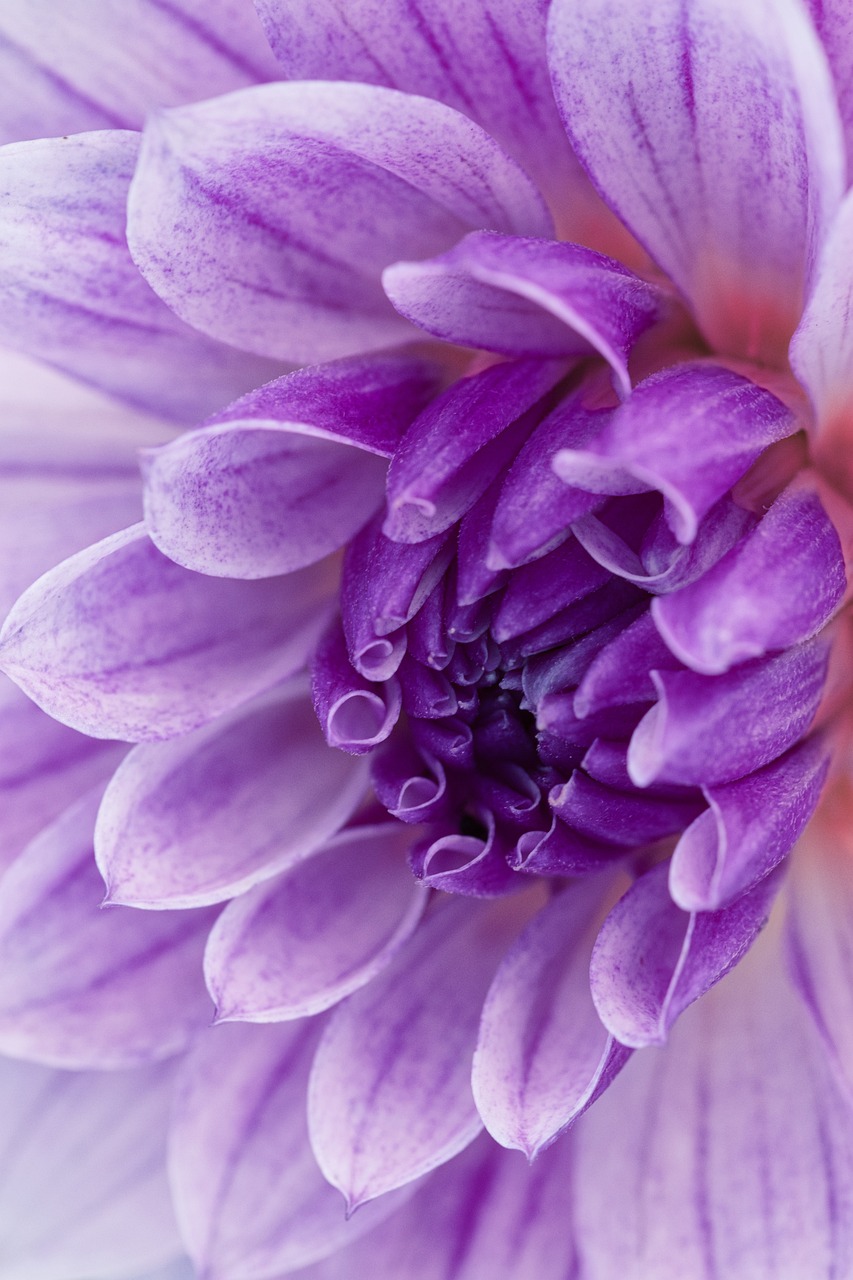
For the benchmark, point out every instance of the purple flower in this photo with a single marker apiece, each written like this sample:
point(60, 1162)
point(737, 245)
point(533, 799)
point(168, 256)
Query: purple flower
point(465, 685)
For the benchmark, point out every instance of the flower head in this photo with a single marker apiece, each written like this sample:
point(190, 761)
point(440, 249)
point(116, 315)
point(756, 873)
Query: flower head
point(482, 640)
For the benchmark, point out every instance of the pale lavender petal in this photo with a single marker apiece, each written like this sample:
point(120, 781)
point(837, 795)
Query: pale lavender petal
point(83, 1189)
point(834, 22)
point(748, 829)
point(289, 473)
point(390, 1095)
point(728, 1153)
point(301, 943)
point(712, 130)
point(543, 1055)
point(459, 444)
point(120, 642)
point(822, 347)
point(249, 1197)
point(73, 297)
point(689, 432)
point(266, 217)
point(710, 729)
point(44, 767)
point(55, 79)
point(820, 932)
point(483, 1215)
point(81, 987)
point(202, 818)
point(526, 297)
point(651, 959)
point(486, 58)
point(777, 587)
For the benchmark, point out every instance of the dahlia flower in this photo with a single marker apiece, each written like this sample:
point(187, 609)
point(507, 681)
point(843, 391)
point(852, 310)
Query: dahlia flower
point(426, 716)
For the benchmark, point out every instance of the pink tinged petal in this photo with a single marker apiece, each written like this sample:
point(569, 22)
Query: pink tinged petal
point(543, 1055)
point(714, 134)
point(724, 422)
point(487, 59)
point(383, 586)
point(534, 508)
point(249, 1197)
point(355, 714)
point(822, 348)
point(460, 443)
point(777, 587)
point(390, 1092)
point(651, 959)
point(289, 473)
point(484, 1214)
point(749, 827)
point(266, 217)
point(209, 815)
point(525, 297)
point(44, 767)
point(73, 297)
point(120, 642)
point(81, 987)
point(83, 1189)
point(728, 1152)
point(301, 943)
point(54, 78)
point(705, 730)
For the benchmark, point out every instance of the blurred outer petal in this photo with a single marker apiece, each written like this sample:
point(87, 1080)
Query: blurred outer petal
point(390, 1092)
point(748, 829)
point(543, 1054)
point(83, 1188)
point(775, 588)
point(297, 945)
point(81, 987)
point(120, 642)
point(44, 767)
point(712, 130)
point(526, 297)
point(690, 431)
point(834, 22)
point(265, 217)
point(820, 931)
point(822, 347)
point(485, 58)
point(287, 474)
point(72, 296)
point(207, 816)
point(482, 1216)
point(728, 1152)
point(651, 959)
point(54, 77)
point(705, 730)
point(249, 1197)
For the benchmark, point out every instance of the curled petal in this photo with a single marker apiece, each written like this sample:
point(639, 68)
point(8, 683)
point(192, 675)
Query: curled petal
point(355, 714)
point(120, 642)
point(205, 817)
point(247, 213)
point(651, 959)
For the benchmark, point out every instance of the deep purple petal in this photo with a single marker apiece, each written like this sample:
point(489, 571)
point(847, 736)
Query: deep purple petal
point(301, 943)
point(120, 642)
point(73, 297)
point(249, 213)
point(206, 816)
point(713, 132)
